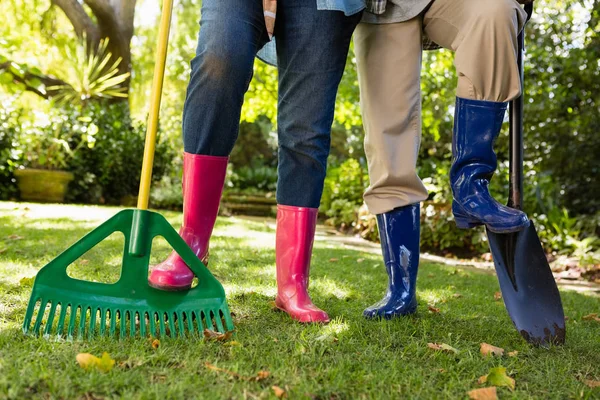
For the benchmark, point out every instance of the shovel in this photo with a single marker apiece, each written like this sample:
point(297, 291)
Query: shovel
point(61, 306)
point(528, 288)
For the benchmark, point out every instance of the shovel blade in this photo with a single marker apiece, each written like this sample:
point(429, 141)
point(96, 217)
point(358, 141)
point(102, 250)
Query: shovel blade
point(528, 287)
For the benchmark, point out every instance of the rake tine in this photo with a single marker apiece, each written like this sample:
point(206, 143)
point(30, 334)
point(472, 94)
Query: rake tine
point(29, 315)
point(92, 325)
point(122, 329)
point(113, 322)
point(220, 327)
point(61, 320)
point(39, 316)
point(199, 322)
point(143, 324)
point(180, 323)
point(152, 319)
point(172, 326)
point(208, 319)
point(72, 318)
point(132, 323)
point(228, 320)
point(102, 322)
point(82, 318)
point(161, 321)
point(190, 322)
point(50, 319)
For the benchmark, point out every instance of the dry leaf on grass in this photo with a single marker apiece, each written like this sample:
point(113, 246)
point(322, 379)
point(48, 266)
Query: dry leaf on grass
point(433, 309)
point(498, 296)
point(457, 295)
point(360, 260)
point(488, 393)
point(15, 237)
point(232, 343)
point(213, 336)
point(591, 317)
point(513, 353)
point(489, 350)
point(443, 347)
point(591, 384)
point(430, 275)
point(89, 361)
point(261, 375)
point(279, 392)
point(497, 377)
point(334, 260)
point(155, 343)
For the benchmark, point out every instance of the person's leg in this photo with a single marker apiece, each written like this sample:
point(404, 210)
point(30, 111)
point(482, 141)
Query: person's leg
point(389, 65)
point(312, 47)
point(231, 33)
point(483, 34)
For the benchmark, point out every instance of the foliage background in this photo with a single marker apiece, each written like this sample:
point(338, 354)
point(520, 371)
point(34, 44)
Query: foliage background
point(562, 88)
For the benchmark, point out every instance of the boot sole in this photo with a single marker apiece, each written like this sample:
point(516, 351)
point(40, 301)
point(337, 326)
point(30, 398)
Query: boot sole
point(170, 288)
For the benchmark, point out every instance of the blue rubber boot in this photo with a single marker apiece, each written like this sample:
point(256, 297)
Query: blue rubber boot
point(477, 124)
point(399, 231)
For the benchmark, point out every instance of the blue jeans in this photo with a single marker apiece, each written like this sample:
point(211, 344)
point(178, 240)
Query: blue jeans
point(312, 47)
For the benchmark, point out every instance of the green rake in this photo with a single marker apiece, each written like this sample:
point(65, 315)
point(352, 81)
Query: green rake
point(130, 306)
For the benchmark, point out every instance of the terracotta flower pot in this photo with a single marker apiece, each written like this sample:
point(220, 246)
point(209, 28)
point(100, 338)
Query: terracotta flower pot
point(45, 186)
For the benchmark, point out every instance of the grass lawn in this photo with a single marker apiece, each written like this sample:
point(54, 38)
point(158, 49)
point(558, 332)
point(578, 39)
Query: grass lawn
point(349, 358)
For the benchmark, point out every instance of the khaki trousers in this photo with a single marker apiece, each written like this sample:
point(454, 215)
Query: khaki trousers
point(483, 35)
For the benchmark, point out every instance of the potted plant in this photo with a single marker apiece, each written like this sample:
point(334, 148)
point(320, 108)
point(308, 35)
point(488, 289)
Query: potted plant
point(47, 144)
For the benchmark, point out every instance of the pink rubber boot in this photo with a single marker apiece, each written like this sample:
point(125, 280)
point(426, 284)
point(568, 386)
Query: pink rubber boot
point(293, 249)
point(203, 179)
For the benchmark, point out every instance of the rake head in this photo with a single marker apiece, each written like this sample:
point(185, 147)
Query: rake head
point(63, 307)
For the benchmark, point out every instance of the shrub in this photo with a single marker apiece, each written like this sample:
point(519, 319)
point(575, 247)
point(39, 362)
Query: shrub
point(9, 135)
point(110, 171)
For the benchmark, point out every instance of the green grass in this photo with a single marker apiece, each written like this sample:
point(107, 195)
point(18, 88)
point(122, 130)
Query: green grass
point(349, 358)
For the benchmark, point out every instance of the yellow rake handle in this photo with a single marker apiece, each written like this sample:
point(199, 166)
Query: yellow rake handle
point(157, 83)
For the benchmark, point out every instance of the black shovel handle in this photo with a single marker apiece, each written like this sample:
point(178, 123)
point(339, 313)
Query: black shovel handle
point(515, 111)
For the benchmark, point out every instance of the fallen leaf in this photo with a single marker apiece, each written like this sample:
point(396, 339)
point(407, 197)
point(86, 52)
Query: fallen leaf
point(333, 260)
point(488, 349)
point(232, 343)
point(457, 295)
point(15, 237)
point(443, 347)
point(589, 317)
point(213, 336)
point(279, 392)
point(513, 353)
point(155, 343)
point(261, 375)
point(87, 361)
point(26, 282)
point(430, 275)
point(433, 309)
point(498, 296)
point(488, 393)
point(84, 262)
point(360, 260)
point(591, 384)
point(498, 377)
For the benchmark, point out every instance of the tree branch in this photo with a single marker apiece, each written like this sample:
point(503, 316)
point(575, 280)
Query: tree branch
point(82, 23)
point(105, 14)
point(27, 77)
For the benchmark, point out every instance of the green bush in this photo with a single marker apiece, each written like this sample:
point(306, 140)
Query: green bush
point(110, 171)
point(343, 193)
point(9, 135)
